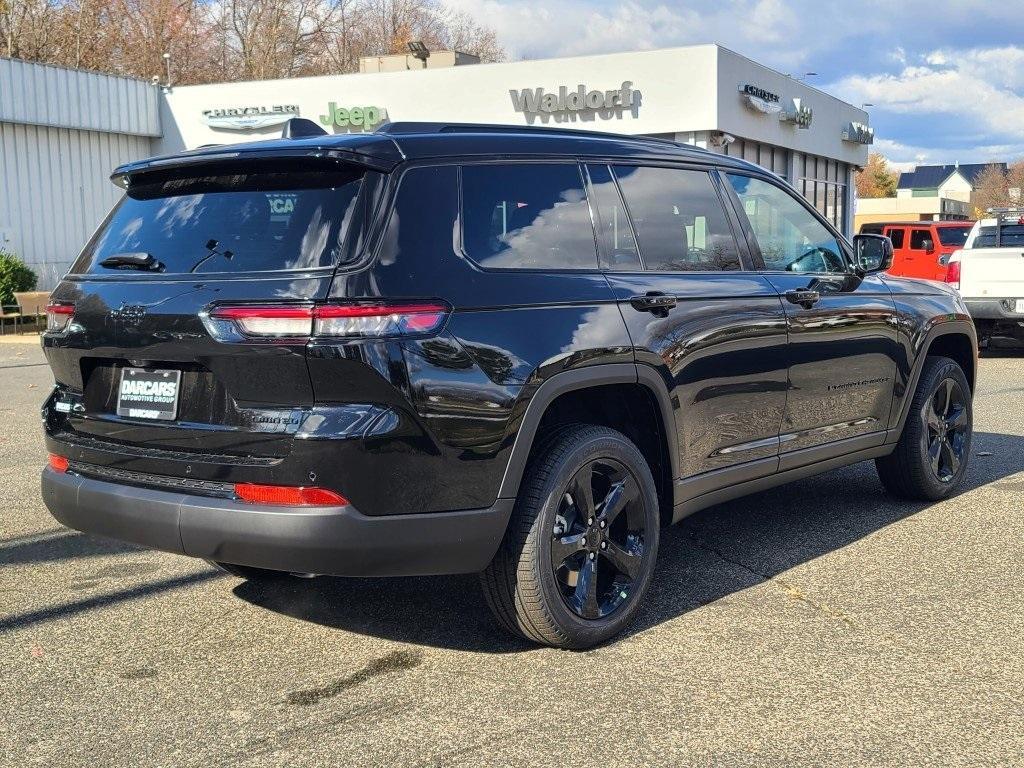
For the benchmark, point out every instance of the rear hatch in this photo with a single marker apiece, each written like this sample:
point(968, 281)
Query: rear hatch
point(141, 361)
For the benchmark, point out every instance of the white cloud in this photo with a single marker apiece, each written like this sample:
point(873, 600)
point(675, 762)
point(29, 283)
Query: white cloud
point(777, 32)
point(540, 29)
point(981, 90)
point(904, 157)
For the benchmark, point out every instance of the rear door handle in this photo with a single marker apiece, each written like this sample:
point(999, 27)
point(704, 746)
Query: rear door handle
point(653, 301)
point(805, 297)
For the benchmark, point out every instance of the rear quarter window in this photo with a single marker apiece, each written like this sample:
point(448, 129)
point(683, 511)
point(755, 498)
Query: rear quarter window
point(953, 236)
point(229, 223)
point(527, 216)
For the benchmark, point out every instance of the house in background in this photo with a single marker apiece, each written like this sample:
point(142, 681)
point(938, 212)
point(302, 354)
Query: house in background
point(956, 182)
point(927, 193)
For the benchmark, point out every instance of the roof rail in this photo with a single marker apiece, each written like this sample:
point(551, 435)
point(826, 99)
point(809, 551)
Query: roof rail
point(409, 127)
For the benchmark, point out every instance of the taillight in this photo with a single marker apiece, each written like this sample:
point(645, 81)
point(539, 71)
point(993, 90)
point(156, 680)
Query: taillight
point(953, 274)
point(373, 320)
point(352, 321)
point(58, 463)
point(270, 322)
point(58, 316)
point(296, 496)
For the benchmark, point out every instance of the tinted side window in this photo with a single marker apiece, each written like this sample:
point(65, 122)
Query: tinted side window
point(917, 238)
point(790, 237)
point(527, 216)
point(679, 220)
point(615, 234)
point(896, 235)
point(954, 235)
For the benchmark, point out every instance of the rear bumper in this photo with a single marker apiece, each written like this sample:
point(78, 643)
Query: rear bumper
point(327, 540)
point(993, 309)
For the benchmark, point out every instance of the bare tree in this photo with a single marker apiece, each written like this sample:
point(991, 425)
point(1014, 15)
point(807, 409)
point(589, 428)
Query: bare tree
point(991, 190)
point(225, 40)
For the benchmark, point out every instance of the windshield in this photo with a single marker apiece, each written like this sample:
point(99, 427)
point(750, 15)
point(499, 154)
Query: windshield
point(1012, 236)
point(955, 236)
point(226, 223)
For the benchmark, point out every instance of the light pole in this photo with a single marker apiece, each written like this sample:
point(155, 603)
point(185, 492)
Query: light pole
point(167, 61)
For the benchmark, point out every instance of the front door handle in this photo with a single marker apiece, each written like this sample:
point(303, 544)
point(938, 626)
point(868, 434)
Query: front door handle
point(805, 297)
point(653, 301)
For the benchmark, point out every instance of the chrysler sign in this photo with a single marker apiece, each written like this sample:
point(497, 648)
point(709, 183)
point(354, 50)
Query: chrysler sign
point(760, 99)
point(249, 118)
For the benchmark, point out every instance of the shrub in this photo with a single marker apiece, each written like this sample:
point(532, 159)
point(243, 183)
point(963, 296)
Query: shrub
point(14, 276)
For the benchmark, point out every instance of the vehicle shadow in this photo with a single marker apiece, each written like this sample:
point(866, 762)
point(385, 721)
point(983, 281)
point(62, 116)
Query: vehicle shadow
point(61, 544)
point(707, 557)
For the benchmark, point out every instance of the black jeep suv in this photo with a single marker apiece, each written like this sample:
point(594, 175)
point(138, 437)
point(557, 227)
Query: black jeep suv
point(443, 349)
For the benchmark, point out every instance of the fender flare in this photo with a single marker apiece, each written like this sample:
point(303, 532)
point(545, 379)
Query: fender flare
point(958, 327)
point(585, 378)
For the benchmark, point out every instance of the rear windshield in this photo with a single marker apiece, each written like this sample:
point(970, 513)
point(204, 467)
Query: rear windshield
point(955, 236)
point(226, 223)
point(1012, 237)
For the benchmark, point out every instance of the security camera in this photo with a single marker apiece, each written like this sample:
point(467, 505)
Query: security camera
point(155, 80)
point(721, 139)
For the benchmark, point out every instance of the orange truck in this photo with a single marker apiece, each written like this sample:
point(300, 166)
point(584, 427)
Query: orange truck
point(922, 248)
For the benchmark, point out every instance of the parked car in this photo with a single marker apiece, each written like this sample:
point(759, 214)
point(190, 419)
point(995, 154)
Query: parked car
point(922, 248)
point(445, 349)
point(989, 274)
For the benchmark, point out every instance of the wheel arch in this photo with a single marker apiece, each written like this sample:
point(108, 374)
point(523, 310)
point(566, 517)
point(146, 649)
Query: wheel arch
point(563, 391)
point(959, 347)
point(955, 339)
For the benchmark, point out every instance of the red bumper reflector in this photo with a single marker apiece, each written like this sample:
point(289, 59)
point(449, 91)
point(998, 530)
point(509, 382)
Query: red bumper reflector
point(58, 463)
point(255, 493)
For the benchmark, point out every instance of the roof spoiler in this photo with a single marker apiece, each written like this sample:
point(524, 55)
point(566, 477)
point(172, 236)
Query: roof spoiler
point(301, 128)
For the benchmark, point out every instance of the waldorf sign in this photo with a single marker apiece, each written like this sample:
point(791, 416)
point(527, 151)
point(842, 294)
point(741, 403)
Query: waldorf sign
point(569, 100)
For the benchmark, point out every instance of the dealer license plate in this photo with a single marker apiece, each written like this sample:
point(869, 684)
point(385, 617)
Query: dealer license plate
point(148, 394)
point(1020, 305)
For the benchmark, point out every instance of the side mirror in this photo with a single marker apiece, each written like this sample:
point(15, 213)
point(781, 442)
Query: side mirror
point(929, 246)
point(873, 253)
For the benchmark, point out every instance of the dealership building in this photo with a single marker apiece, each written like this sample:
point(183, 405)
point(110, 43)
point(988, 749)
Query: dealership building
point(62, 131)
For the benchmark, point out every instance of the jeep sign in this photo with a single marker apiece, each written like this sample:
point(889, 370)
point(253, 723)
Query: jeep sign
point(356, 117)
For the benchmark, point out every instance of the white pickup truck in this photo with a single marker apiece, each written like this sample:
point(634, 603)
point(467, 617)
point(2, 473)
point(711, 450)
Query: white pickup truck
point(989, 273)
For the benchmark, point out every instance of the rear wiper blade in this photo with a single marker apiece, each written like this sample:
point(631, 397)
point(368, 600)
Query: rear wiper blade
point(133, 260)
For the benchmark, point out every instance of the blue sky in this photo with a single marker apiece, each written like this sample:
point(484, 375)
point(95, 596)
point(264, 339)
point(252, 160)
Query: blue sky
point(946, 78)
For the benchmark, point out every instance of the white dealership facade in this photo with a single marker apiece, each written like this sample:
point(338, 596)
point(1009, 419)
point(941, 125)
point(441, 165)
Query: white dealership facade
point(704, 95)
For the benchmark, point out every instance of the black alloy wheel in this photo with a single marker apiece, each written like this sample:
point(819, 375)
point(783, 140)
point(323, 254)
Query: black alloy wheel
point(947, 426)
point(578, 556)
point(930, 459)
point(597, 542)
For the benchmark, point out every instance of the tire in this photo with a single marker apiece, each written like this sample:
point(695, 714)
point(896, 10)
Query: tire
point(248, 572)
point(930, 459)
point(547, 582)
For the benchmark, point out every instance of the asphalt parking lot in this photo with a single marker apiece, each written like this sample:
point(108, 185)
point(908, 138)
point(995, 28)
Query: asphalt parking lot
point(821, 623)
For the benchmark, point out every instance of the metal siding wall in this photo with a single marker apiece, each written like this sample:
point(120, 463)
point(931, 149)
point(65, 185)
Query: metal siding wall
point(55, 190)
point(43, 95)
